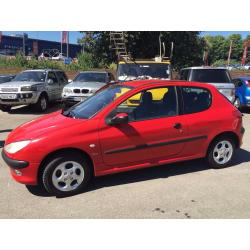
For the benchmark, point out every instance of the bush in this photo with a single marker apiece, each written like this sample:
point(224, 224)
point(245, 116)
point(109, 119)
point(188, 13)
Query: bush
point(86, 61)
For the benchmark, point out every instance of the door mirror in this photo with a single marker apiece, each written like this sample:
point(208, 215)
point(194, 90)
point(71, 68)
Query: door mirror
point(120, 118)
point(50, 81)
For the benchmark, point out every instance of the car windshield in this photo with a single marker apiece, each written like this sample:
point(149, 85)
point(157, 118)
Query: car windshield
point(90, 77)
point(210, 76)
point(152, 70)
point(31, 76)
point(4, 79)
point(95, 103)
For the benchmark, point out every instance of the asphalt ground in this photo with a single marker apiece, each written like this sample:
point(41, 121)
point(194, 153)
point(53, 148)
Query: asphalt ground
point(184, 190)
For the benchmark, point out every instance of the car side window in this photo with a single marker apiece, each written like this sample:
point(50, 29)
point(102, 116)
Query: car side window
point(52, 76)
point(62, 77)
point(196, 99)
point(151, 104)
point(184, 74)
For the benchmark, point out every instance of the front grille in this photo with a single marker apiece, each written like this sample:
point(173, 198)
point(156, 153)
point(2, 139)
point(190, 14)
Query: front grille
point(77, 91)
point(9, 89)
point(85, 91)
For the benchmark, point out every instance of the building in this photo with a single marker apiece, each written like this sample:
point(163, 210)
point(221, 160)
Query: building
point(10, 45)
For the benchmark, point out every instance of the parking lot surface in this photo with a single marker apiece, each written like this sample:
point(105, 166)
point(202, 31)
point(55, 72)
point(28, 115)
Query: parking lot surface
point(183, 190)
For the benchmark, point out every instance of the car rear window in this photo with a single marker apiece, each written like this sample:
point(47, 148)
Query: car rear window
point(211, 76)
point(196, 99)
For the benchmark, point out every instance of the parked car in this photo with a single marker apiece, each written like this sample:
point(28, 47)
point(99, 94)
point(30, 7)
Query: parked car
point(242, 95)
point(105, 134)
point(36, 87)
point(6, 78)
point(84, 85)
point(219, 77)
point(246, 66)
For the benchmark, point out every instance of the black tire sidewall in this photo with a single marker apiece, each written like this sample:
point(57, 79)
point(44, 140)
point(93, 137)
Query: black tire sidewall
point(53, 163)
point(210, 159)
point(38, 104)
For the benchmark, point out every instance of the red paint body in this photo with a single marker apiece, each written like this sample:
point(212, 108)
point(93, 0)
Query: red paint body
point(54, 132)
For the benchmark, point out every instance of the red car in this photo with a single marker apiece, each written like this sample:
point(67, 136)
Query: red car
point(124, 127)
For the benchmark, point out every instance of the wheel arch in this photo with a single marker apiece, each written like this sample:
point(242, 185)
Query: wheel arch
point(44, 93)
point(59, 152)
point(229, 134)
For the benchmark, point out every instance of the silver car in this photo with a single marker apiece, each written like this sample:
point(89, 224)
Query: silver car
point(217, 76)
point(85, 85)
point(36, 87)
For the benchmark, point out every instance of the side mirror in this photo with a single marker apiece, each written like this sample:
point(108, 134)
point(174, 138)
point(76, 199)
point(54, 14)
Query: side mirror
point(50, 81)
point(120, 118)
point(69, 81)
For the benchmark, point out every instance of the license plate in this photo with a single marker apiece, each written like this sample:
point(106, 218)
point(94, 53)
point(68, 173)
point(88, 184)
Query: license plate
point(8, 96)
point(78, 99)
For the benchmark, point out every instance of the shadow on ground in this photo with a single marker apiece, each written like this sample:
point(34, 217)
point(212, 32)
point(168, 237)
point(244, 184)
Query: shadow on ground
point(164, 171)
point(28, 110)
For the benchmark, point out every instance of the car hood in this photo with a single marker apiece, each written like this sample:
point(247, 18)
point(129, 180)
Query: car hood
point(44, 125)
point(17, 84)
point(88, 85)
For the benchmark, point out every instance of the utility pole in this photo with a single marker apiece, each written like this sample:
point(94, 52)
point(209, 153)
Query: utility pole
point(61, 41)
point(229, 53)
point(67, 44)
point(23, 44)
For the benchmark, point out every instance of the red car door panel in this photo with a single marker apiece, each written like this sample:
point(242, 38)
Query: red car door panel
point(142, 141)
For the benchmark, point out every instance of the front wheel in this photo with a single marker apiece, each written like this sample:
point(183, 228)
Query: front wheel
point(42, 103)
point(221, 152)
point(66, 174)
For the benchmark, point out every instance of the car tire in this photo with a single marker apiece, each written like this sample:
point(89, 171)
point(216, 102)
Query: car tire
point(237, 103)
point(66, 174)
point(221, 152)
point(5, 108)
point(42, 103)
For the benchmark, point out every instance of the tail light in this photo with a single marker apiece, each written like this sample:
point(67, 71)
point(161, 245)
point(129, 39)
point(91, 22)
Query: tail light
point(247, 83)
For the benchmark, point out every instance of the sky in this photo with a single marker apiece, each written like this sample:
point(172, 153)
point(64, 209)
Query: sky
point(74, 35)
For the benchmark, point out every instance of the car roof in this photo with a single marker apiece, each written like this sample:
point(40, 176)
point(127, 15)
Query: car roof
point(158, 82)
point(93, 71)
point(204, 67)
point(39, 70)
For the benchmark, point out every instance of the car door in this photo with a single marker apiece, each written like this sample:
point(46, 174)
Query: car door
point(63, 80)
point(154, 133)
point(201, 119)
point(53, 87)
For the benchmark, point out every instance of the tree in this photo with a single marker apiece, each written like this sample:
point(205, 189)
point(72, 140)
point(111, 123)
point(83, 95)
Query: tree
point(188, 46)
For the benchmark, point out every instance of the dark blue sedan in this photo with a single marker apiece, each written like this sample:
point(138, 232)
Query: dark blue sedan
point(242, 94)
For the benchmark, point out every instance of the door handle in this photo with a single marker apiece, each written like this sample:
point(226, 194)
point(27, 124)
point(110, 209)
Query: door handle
point(177, 125)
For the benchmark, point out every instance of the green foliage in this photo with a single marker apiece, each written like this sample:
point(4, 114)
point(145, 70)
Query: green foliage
point(188, 49)
point(86, 61)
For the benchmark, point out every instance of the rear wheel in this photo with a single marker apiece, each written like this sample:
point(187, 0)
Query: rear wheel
point(42, 103)
point(221, 152)
point(66, 174)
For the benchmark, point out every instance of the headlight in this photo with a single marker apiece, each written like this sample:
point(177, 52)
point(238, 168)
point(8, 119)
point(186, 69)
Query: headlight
point(14, 147)
point(92, 91)
point(29, 88)
point(65, 90)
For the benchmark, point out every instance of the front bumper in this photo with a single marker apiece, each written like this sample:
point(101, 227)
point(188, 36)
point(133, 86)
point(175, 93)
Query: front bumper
point(23, 98)
point(22, 171)
point(15, 164)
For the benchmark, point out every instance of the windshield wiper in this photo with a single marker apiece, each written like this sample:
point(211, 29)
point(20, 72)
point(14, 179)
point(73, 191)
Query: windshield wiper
point(69, 113)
